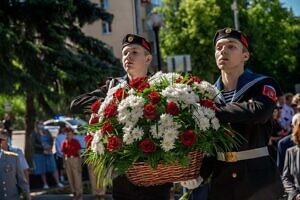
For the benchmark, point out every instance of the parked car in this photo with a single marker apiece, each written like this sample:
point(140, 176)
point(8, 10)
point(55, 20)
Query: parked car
point(53, 124)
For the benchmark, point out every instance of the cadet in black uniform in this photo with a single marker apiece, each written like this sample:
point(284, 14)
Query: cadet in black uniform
point(136, 58)
point(247, 101)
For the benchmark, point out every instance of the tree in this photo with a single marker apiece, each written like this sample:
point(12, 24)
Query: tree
point(45, 56)
point(272, 31)
point(189, 29)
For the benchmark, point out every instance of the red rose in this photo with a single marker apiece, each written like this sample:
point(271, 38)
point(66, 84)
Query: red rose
point(120, 94)
point(139, 83)
point(143, 86)
point(107, 128)
point(113, 143)
point(88, 140)
point(178, 80)
point(154, 97)
point(110, 110)
point(172, 108)
point(195, 79)
point(149, 111)
point(94, 119)
point(95, 106)
point(188, 137)
point(147, 146)
point(208, 104)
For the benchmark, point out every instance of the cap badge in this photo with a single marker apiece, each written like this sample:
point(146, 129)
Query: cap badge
point(130, 39)
point(228, 30)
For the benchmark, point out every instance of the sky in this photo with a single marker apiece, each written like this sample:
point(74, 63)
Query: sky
point(294, 4)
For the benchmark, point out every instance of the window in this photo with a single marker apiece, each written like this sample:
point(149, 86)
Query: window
point(104, 4)
point(106, 27)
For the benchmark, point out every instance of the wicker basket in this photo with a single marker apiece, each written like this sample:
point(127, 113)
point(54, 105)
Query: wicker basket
point(143, 175)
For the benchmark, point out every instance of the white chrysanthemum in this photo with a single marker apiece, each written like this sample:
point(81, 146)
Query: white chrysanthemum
point(200, 118)
point(130, 110)
point(96, 144)
point(209, 113)
point(207, 89)
point(160, 77)
point(167, 145)
point(155, 132)
point(137, 133)
point(128, 139)
point(170, 134)
point(180, 93)
point(215, 123)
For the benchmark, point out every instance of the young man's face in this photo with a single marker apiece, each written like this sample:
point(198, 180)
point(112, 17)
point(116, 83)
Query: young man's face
point(230, 54)
point(135, 60)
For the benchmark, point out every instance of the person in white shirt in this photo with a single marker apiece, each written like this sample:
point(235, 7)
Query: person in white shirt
point(61, 136)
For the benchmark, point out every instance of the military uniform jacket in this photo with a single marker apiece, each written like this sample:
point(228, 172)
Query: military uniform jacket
point(12, 179)
point(123, 189)
point(249, 113)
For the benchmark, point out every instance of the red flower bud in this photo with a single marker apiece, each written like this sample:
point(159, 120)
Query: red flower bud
point(150, 111)
point(172, 108)
point(154, 97)
point(95, 106)
point(120, 94)
point(94, 119)
point(147, 146)
point(107, 128)
point(188, 137)
point(110, 110)
point(113, 143)
point(208, 104)
point(88, 140)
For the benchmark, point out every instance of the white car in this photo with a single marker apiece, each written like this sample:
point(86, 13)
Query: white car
point(53, 124)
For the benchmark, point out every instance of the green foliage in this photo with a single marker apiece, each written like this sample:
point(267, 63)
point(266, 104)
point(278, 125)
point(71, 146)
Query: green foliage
point(189, 28)
point(44, 51)
point(273, 32)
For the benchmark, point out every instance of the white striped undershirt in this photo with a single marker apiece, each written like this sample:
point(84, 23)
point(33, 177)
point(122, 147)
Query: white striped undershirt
point(228, 95)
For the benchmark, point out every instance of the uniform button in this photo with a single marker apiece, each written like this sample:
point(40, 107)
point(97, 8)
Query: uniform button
point(5, 195)
point(4, 188)
point(234, 175)
point(3, 182)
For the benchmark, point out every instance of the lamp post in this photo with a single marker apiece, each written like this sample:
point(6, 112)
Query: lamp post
point(156, 21)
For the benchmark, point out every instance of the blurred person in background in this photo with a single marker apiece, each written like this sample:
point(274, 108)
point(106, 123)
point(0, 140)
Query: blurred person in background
point(61, 136)
point(291, 170)
point(7, 123)
point(19, 152)
point(295, 104)
point(286, 111)
point(43, 158)
point(14, 185)
point(71, 149)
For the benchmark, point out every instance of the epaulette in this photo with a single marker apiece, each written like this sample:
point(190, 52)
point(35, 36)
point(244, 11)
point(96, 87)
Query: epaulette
point(10, 153)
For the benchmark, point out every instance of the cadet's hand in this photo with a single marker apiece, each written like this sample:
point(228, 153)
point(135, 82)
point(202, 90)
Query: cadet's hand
point(192, 184)
point(297, 197)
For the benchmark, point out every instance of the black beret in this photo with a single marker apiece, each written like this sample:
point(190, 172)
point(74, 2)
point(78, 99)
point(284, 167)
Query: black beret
point(231, 33)
point(135, 39)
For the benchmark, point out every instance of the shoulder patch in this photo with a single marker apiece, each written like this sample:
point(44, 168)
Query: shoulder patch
point(270, 92)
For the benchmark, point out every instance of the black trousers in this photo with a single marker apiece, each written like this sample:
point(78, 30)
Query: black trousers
point(123, 189)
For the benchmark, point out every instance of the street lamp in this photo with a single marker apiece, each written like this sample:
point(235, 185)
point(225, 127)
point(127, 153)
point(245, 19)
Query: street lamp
point(155, 22)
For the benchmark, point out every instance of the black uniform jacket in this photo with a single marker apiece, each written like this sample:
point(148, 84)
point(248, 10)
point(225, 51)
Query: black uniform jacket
point(249, 114)
point(123, 189)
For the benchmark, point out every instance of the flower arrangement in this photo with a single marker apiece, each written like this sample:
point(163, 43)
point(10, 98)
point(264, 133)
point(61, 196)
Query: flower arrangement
point(157, 119)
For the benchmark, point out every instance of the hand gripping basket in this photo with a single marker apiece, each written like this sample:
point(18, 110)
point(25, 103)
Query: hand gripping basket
point(143, 175)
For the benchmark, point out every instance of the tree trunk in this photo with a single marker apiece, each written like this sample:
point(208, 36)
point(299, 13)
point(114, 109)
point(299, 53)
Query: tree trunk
point(29, 124)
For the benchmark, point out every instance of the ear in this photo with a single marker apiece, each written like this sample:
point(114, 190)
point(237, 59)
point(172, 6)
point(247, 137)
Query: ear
point(246, 56)
point(148, 59)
